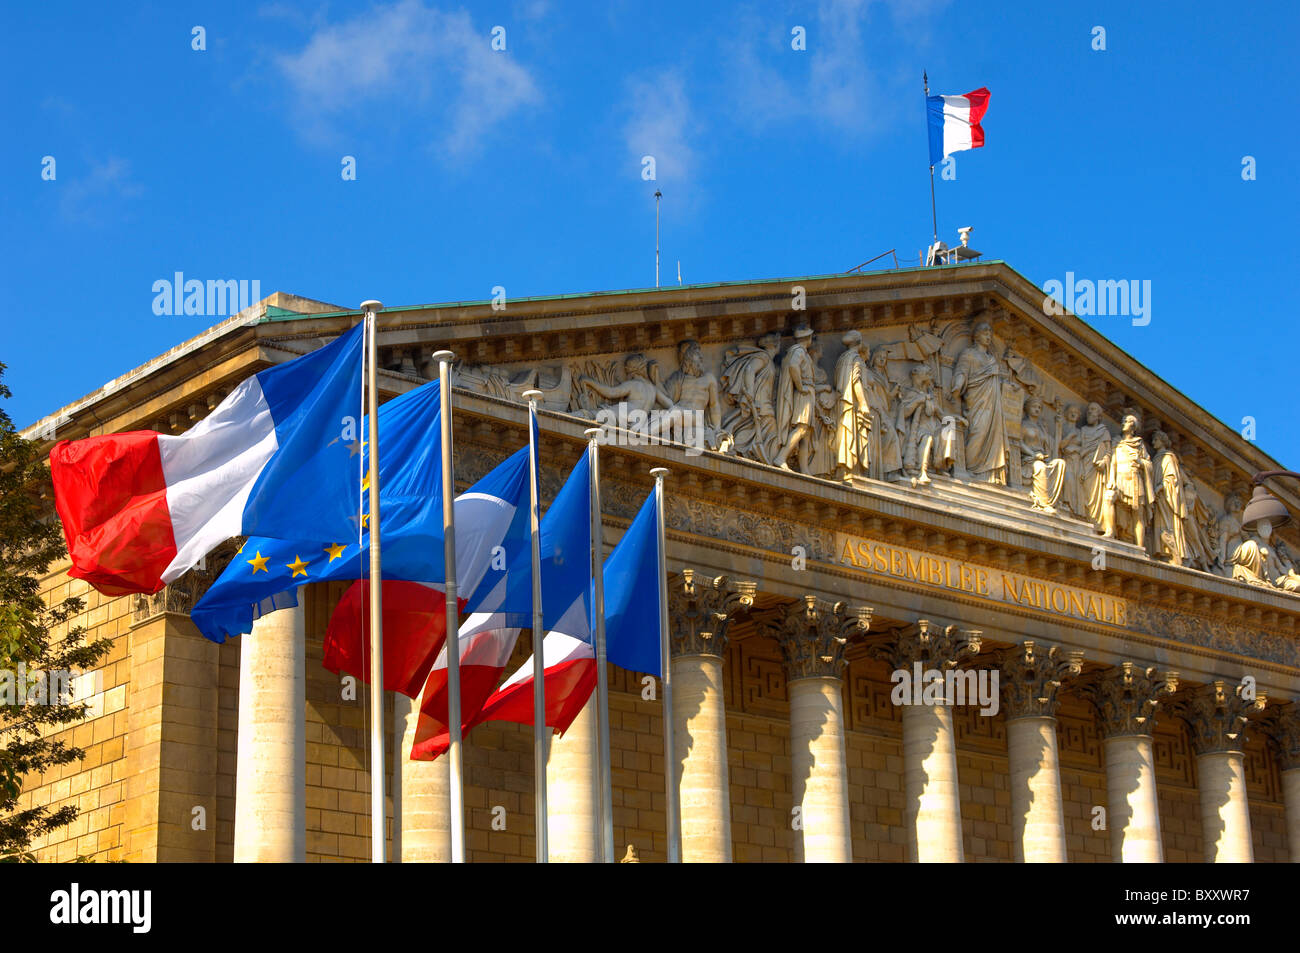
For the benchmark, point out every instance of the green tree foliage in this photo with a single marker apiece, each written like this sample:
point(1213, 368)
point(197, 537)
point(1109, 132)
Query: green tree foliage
point(30, 540)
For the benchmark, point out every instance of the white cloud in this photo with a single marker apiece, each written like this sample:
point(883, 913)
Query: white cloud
point(98, 196)
point(433, 65)
point(661, 124)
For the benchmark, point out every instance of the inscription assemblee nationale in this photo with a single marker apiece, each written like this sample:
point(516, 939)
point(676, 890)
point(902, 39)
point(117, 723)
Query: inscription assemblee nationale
point(1010, 588)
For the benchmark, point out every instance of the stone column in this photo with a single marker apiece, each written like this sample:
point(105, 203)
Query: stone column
point(425, 789)
point(699, 612)
point(813, 635)
point(1216, 714)
point(572, 792)
point(1283, 726)
point(930, 792)
point(1126, 698)
point(1031, 679)
point(271, 771)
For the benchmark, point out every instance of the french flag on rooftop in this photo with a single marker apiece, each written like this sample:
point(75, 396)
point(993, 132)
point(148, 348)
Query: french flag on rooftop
point(954, 123)
point(272, 459)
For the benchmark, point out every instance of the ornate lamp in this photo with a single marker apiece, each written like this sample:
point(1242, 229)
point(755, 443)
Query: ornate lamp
point(1264, 505)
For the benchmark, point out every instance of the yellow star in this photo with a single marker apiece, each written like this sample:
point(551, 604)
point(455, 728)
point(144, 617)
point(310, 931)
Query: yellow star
point(335, 550)
point(365, 482)
point(258, 563)
point(365, 521)
point(298, 566)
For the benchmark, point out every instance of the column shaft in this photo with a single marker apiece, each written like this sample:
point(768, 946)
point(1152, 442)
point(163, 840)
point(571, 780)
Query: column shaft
point(818, 763)
point(1291, 798)
point(572, 797)
point(426, 788)
point(1225, 815)
point(1133, 809)
point(930, 785)
point(271, 778)
point(1037, 816)
point(700, 733)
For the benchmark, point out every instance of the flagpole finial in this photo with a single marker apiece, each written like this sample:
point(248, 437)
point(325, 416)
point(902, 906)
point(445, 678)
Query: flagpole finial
point(447, 356)
point(593, 433)
point(371, 306)
point(531, 394)
point(660, 472)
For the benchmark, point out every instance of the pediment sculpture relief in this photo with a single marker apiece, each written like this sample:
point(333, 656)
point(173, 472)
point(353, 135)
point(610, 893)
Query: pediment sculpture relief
point(948, 402)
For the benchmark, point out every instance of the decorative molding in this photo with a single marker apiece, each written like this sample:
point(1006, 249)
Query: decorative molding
point(1216, 716)
point(813, 635)
point(1031, 678)
point(1127, 696)
point(1281, 723)
point(925, 642)
point(700, 612)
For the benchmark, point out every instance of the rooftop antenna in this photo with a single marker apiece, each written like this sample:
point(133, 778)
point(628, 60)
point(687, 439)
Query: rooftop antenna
point(658, 196)
point(679, 271)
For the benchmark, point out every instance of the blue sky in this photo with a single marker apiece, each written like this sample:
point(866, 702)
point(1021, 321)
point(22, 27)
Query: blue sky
point(521, 168)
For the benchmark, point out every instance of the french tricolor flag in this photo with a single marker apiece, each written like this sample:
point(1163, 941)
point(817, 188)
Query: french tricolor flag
point(954, 123)
point(272, 459)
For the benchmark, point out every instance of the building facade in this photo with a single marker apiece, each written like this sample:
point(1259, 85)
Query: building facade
point(952, 578)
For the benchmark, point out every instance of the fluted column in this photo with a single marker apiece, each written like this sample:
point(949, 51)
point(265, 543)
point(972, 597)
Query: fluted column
point(699, 612)
point(932, 803)
point(425, 789)
point(1031, 678)
point(573, 793)
point(813, 635)
point(1126, 698)
point(271, 765)
point(1216, 714)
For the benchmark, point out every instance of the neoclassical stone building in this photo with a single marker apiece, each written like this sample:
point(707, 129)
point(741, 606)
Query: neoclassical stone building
point(897, 474)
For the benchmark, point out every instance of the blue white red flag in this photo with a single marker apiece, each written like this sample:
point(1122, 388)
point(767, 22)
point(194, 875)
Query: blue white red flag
point(954, 123)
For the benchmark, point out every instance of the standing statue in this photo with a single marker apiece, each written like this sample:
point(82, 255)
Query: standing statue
point(749, 383)
point(884, 454)
point(920, 422)
point(1198, 528)
point(1169, 536)
point(853, 425)
point(822, 460)
point(694, 389)
point(1071, 451)
point(1229, 532)
point(796, 400)
point(1129, 491)
point(977, 379)
point(1094, 462)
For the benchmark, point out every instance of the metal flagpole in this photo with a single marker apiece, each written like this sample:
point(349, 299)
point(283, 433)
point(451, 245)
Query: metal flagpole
point(456, 793)
point(934, 217)
point(658, 196)
point(673, 828)
point(378, 847)
point(539, 637)
point(606, 786)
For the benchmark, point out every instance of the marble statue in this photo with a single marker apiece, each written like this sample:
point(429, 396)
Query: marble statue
point(884, 453)
point(826, 402)
point(694, 389)
point(749, 384)
point(1129, 490)
point(1257, 563)
point(921, 424)
point(977, 379)
point(1040, 469)
point(1094, 462)
point(1169, 527)
point(796, 402)
point(637, 390)
point(853, 424)
point(1071, 451)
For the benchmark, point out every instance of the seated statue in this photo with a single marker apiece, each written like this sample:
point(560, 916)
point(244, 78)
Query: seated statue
point(1257, 563)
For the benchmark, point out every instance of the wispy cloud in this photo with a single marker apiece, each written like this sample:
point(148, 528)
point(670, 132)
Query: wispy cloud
point(98, 196)
point(661, 124)
point(437, 66)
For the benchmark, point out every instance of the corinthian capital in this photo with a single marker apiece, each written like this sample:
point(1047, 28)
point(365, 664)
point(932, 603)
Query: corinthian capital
point(934, 646)
point(700, 611)
point(813, 634)
point(1216, 714)
point(1282, 724)
point(1032, 676)
point(1127, 696)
